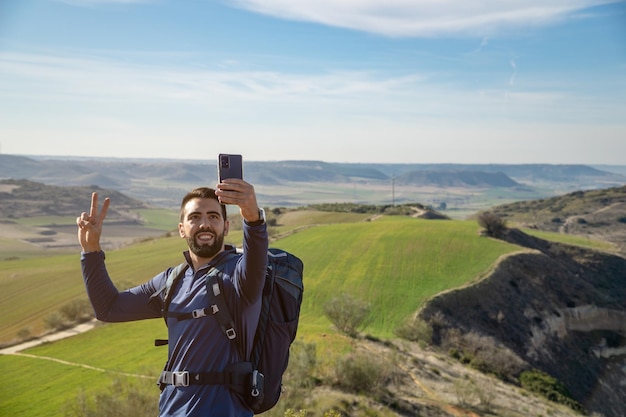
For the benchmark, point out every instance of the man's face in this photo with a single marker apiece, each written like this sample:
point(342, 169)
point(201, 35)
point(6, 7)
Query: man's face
point(203, 227)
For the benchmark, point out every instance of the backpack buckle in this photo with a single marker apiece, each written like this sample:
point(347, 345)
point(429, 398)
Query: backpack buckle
point(180, 378)
point(257, 383)
point(230, 333)
point(196, 314)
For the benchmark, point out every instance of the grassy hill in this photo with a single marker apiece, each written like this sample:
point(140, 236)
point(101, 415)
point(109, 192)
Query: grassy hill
point(409, 256)
point(394, 263)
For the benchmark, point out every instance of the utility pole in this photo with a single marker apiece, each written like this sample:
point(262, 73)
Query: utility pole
point(393, 190)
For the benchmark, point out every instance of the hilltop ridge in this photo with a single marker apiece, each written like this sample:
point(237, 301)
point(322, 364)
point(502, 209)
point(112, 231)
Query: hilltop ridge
point(293, 183)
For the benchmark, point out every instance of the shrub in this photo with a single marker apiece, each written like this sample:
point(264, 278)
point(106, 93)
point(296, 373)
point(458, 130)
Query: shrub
point(471, 394)
point(347, 313)
point(549, 387)
point(293, 413)
point(302, 361)
point(125, 397)
point(77, 310)
point(56, 321)
point(363, 373)
point(482, 353)
point(303, 413)
point(415, 330)
point(24, 333)
point(493, 224)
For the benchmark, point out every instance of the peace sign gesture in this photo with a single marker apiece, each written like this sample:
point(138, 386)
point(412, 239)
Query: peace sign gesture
point(90, 225)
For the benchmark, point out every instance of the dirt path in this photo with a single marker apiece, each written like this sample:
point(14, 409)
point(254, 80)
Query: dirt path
point(80, 365)
point(52, 337)
point(571, 219)
point(16, 350)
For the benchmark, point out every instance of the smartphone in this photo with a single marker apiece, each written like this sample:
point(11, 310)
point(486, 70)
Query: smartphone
point(229, 166)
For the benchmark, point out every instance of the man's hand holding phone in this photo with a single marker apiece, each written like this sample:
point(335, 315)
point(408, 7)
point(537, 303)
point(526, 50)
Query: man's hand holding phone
point(232, 189)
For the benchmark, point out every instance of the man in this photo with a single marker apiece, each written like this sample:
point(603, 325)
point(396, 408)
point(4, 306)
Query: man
point(197, 345)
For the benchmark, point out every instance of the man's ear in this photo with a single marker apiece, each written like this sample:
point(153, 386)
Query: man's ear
point(226, 227)
point(181, 230)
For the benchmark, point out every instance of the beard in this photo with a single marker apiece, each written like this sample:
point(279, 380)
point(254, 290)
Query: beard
point(205, 250)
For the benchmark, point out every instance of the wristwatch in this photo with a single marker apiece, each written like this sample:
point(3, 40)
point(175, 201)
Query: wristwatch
point(258, 222)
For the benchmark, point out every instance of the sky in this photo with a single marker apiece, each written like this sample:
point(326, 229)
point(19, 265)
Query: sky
point(389, 81)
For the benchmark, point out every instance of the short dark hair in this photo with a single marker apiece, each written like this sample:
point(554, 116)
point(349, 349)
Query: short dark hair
point(201, 192)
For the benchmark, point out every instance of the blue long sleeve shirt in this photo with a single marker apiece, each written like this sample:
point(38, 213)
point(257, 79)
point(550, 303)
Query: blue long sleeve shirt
point(195, 345)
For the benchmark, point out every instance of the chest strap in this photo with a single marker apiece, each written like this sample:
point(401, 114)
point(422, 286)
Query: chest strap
point(217, 307)
point(195, 314)
point(235, 376)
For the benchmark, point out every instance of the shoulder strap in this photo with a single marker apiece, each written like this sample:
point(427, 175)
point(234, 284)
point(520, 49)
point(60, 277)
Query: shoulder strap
point(268, 292)
point(175, 274)
point(215, 291)
point(173, 277)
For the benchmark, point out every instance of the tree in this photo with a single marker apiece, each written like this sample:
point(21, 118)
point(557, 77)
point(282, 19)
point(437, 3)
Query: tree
point(347, 313)
point(493, 224)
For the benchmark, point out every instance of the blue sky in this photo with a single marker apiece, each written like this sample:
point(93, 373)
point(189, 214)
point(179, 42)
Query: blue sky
point(407, 81)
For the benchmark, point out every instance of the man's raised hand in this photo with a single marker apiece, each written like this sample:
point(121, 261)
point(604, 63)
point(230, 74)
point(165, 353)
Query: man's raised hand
point(238, 192)
point(90, 225)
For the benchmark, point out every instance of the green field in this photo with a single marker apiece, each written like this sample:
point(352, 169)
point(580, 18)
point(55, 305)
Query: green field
point(393, 263)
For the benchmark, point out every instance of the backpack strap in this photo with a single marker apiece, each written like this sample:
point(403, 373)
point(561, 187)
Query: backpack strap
point(260, 333)
point(174, 275)
point(217, 301)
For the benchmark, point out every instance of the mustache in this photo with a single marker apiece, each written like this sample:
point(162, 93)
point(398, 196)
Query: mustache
point(207, 230)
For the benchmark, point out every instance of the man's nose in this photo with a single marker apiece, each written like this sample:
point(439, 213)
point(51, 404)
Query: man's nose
point(204, 222)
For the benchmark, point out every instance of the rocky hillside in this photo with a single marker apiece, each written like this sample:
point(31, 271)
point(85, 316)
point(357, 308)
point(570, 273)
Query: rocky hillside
point(553, 307)
point(597, 214)
point(23, 198)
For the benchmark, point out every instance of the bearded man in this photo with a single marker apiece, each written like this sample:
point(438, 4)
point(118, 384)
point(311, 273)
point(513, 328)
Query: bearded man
point(195, 381)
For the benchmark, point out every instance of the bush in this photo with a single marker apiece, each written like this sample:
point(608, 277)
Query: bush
point(347, 313)
point(56, 321)
point(303, 413)
point(493, 224)
point(415, 330)
point(470, 394)
point(549, 387)
point(363, 373)
point(78, 310)
point(24, 334)
point(125, 397)
point(482, 353)
point(302, 361)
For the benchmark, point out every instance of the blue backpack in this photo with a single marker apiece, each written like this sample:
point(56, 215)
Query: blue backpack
point(259, 381)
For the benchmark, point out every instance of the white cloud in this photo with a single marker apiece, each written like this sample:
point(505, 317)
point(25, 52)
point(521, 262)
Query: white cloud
point(100, 2)
point(422, 18)
point(58, 81)
point(55, 102)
